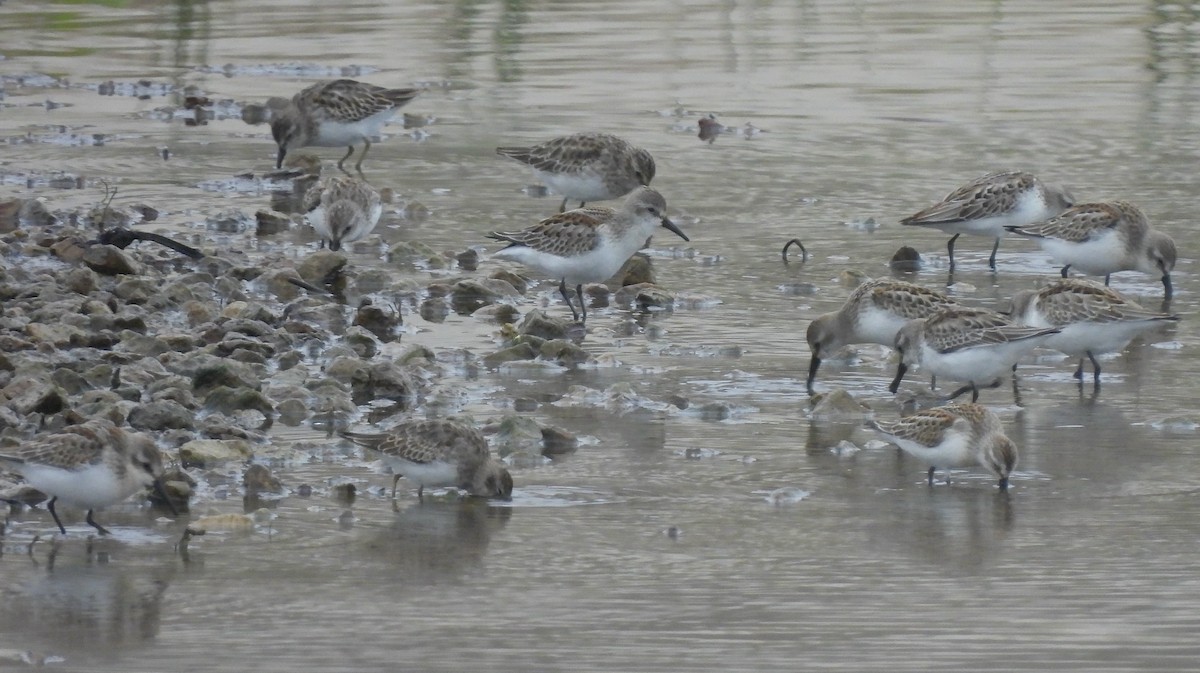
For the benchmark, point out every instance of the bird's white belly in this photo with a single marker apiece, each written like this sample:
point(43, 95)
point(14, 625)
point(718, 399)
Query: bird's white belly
point(1079, 338)
point(1095, 257)
point(436, 473)
point(877, 326)
point(593, 266)
point(339, 134)
point(584, 186)
point(92, 487)
point(953, 451)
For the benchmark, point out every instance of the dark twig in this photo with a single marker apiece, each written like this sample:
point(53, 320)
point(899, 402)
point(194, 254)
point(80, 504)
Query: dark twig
point(803, 250)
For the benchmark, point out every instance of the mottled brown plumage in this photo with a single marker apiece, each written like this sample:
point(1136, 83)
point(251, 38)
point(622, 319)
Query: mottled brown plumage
point(974, 345)
point(339, 113)
point(873, 313)
point(984, 206)
point(90, 465)
point(955, 435)
point(1093, 319)
point(1100, 239)
point(439, 452)
point(587, 166)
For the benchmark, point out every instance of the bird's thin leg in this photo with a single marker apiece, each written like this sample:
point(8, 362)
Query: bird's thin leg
point(395, 480)
point(932, 468)
point(50, 506)
point(950, 249)
point(974, 392)
point(421, 492)
point(582, 303)
point(1079, 370)
point(562, 289)
point(1107, 276)
point(965, 389)
point(1064, 270)
point(1095, 368)
point(92, 522)
point(366, 146)
point(992, 259)
point(341, 167)
point(563, 207)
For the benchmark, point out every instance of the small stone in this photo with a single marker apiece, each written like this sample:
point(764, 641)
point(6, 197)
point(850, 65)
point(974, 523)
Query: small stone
point(321, 266)
point(498, 313)
point(517, 281)
point(515, 353)
point(271, 222)
point(362, 342)
point(231, 401)
point(838, 404)
point(558, 442)
point(385, 325)
point(852, 278)
point(468, 260)
point(906, 259)
point(258, 479)
point(564, 352)
point(34, 214)
point(161, 415)
point(208, 453)
point(292, 412)
point(518, 435)
point(109, 260)
point(537, 323)
point(635, 271)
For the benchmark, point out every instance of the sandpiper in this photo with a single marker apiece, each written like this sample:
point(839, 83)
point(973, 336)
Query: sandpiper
point(586, 166)
point(974, 345)
point(588, 245)
point(873, 313)
point(343, 210)
point(1101, 239)
point(340, 113)
point(1094, 319)
point(956, 435)
point(90, 466)
point(985, 206)
point(439, 452)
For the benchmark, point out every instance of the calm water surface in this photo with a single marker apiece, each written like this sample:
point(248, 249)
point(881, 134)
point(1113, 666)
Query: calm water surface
point(869, 111)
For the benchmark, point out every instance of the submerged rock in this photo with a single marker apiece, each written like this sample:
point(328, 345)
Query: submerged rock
point(258, 479)
point(207, 453)
point(838, 404)
point(537, 323)
point(383, 324)
point(521, 351)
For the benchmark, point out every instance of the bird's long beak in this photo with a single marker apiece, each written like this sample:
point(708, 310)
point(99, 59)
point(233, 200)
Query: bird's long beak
point(813, 365)
point(279, 157)
point(1003, 483)
point(671, 226)
point(1166, 280)
point(900, 371)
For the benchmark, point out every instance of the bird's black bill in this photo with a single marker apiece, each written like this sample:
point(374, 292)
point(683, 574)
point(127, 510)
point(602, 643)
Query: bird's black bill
point(900, 371)
point(674, 229)
point(813, 366)
point(279, 158)
point(1167, 285)
point(1004, 483)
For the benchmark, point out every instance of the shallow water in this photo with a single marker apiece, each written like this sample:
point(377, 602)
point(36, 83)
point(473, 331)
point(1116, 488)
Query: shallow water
point(868, 110)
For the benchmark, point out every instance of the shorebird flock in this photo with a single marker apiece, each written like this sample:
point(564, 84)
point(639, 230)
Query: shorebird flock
point(97, 464)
